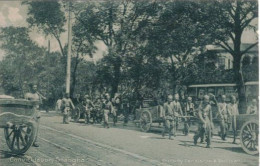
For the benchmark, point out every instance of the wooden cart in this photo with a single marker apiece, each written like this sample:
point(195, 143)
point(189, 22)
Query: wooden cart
point(78, 112)
point(248, 127)
point(18, 119)
point(147, 116)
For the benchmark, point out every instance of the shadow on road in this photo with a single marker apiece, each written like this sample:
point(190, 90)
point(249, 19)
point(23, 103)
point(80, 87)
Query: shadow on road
point(7, 154)
point(188, 144)
point(233, 149)
point(158, 138)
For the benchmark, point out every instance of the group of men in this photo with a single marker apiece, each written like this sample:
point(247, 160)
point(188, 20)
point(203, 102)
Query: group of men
point(97, 109)
point(174, 111)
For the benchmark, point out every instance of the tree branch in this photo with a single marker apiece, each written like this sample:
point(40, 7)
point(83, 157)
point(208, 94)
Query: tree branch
point(61, 48)
point(232, 37)
point(246, 22)
point(248, 48)
point(226, 48)
point(230, 13)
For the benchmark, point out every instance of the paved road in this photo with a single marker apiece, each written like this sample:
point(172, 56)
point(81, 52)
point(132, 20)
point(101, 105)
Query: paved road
point(80, 144)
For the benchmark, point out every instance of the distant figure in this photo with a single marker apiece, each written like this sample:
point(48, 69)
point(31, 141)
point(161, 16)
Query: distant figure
point(107, 107)
point(168, 117)
point(188, 111)
point(67, 104)
point(252, 108)
point(88, 108)
point(98, 111)
point(233, 110)
point(205, 117)
point(116, 101)
point(177, 109)
point(58, 105)
point(223, 117)
point(35, 96)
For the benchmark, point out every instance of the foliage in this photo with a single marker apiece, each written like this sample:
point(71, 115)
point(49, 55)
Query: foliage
point(47, 17)
point(151, 46)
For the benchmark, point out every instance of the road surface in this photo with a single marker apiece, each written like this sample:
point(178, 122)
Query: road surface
point(93, 145)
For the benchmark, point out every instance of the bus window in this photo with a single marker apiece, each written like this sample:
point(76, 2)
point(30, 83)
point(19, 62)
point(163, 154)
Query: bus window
point(220, 91)
point(211, 90)
point(201, 93)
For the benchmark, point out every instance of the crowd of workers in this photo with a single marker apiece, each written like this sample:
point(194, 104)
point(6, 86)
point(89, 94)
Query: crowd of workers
point(172, 112)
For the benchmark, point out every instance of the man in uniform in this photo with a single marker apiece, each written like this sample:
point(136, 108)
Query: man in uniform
point(58, 105)
point(116, 107)
point(98, 107)
point(205, 118)
point(126, 108)
point(88, 108)
point(168, 117)
point(188, 111)
point(67, 104)
point(223, 117)
point(107, 107)
point(177, 110)
point(35, 96)
point(233, 110)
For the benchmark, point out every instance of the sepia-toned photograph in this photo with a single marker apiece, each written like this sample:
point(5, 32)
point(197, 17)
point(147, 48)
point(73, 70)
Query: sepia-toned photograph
point(129, 83)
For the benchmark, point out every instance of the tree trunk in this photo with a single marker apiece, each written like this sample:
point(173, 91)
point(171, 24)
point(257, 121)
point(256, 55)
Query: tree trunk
point(116, 81)
point(237, 71)
point(240, 85)
point(237, 61)
point(74, 77)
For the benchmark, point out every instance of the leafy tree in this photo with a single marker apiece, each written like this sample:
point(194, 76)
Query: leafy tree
point(228, 20)
point(179, 36)
point(22, 58)
point(118, 25)
point(48, 18)
point(26, 63)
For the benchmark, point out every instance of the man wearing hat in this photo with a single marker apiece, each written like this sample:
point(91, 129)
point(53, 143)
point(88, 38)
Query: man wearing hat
point(233, 110)
point(188, 111)
point(34, 95)
point(177, 110)
point(88, 108)
point(205, 121)
point(168, 116)
point(223, 117)
point(116, 101)
point(107, 107)
point(67, 104)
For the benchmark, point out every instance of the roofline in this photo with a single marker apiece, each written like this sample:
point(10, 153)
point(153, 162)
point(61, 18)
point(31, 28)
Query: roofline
point(220, 85)
point(252, 83)
point(210, 85)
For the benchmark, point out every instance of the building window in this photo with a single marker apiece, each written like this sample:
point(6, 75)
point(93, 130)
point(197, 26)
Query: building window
point(221, 62)
point(229, 67)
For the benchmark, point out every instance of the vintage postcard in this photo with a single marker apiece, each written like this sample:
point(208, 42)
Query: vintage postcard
point(129, 82)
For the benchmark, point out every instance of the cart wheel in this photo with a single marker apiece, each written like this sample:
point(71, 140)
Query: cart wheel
point(145, 121)
point(76, 115)
point(19, 138)
point(249, 137)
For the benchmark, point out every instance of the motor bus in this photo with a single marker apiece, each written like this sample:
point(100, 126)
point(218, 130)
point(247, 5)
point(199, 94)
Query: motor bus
point(199, 90)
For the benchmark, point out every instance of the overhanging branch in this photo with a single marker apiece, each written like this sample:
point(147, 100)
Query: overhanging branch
point(226, 48)
point(248, 48)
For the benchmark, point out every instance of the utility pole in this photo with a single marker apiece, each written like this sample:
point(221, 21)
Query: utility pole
point(69, 53)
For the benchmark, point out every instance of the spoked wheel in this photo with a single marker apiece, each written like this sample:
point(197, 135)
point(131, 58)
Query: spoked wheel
point(19, 138)
point(145, 121)
point(76, 115)
point(249, 137)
